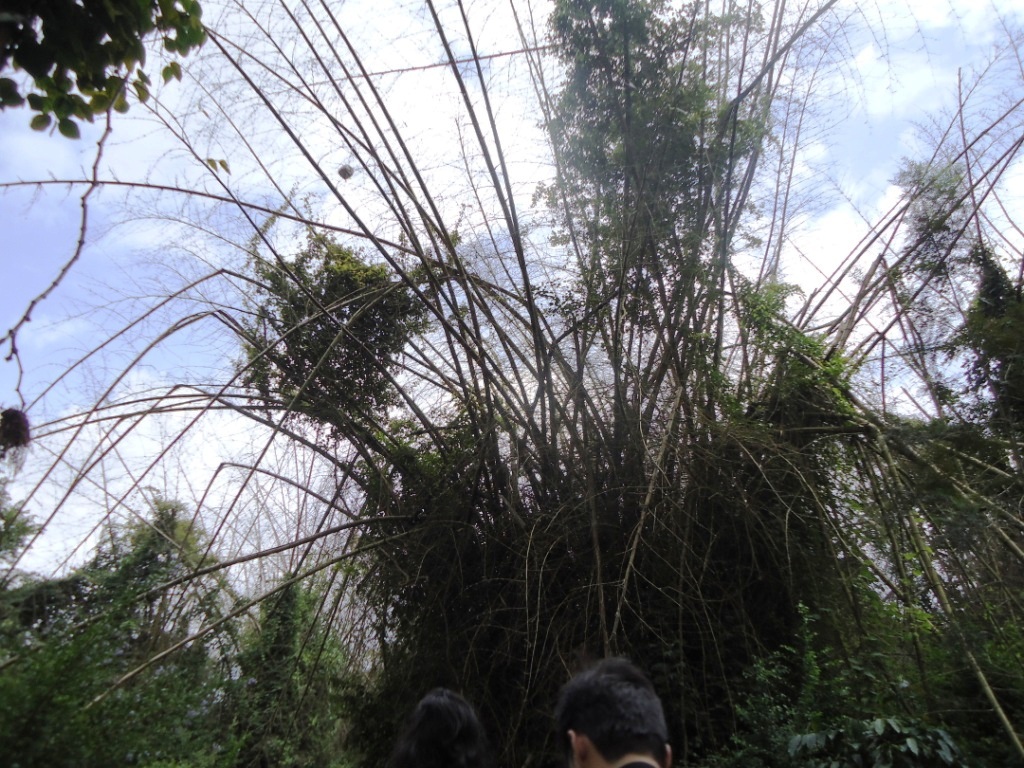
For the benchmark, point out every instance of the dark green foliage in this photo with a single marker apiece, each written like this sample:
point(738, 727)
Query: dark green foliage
point(456, 609)
point(266, 696)
point(879, 743)
point(435, 621)
point(328, 333)
point(79, 55)
point(994, 335)
point(66, 642)
point(15, 527)
point(818, 707)
point(287, 699)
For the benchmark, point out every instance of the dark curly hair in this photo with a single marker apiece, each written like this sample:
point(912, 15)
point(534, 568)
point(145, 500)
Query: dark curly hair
point(442, 732)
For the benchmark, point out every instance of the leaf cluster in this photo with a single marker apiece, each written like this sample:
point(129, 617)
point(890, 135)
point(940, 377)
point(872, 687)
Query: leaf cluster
point(79, 55)
point(328, 332)
point(880, 743)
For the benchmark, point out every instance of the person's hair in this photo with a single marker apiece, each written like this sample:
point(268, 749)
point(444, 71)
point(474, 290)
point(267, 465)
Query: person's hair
point(615, 706)
point(443, 731)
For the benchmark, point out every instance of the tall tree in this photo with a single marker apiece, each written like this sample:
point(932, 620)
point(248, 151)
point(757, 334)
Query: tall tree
point(287, 705)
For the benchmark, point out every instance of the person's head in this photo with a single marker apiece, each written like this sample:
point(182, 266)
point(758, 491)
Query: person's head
point(612, 708)
point(442, 732)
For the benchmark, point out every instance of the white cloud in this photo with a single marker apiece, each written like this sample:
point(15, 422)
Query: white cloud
point(903, 19)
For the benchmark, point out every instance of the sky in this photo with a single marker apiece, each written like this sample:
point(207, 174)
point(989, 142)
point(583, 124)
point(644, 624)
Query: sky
point(909, 79)
point(891, 84)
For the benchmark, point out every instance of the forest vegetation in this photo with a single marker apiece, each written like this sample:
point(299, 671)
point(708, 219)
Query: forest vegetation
point(500, 428)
